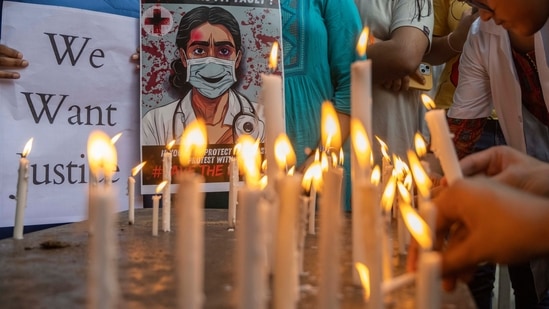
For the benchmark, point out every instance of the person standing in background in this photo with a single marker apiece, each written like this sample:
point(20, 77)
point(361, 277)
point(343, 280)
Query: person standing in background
point(319, 38)
point(403, 32)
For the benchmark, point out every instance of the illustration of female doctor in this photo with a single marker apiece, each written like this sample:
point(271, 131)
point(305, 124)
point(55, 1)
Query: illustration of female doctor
point(210, 49)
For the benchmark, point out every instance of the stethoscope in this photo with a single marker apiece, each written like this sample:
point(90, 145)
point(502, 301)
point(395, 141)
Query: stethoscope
point(244, 122)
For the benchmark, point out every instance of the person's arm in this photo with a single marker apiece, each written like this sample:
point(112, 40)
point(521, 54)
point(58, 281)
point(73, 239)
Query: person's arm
point(511, 167)
point(11, 59)
point(484, 220)
point(444, 48)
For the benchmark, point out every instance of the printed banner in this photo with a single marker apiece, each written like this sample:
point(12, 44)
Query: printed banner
point(203, 59)
point(80, 78)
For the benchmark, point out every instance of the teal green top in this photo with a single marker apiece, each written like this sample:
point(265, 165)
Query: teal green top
point(319, 39)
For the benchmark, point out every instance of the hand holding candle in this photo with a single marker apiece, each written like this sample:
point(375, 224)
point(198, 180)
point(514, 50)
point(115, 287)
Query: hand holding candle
point(21, 194)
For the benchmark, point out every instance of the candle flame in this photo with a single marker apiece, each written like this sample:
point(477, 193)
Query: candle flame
point(170, 144)
point(331, 134)
point(389, 194)
point(193, 142)
point(364, 274)
point(312, 177)
point(384, 149)
point(416, 225)
point(102, 156)
point(422, 180)
point(284, 152)
point(27, 148)
point(249, 159)
point(360, 143)
point(363, 42)
point(161, 186)
point(341, 160)
point(404, 193)
point(138, 168)
point(263, 182)
point(421, 146)
point(375, 178)
point(427, 101)
point(115, 138)
point(273, 59)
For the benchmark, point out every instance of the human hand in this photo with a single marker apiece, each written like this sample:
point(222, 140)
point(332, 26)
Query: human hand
point(482, 220)
point(135, 57)
point(13, 59)
point(459, 35)
point(511, 167)
point(402, 84)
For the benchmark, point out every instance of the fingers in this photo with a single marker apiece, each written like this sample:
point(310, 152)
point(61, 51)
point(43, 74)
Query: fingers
point(9, 75)
point(10, 52)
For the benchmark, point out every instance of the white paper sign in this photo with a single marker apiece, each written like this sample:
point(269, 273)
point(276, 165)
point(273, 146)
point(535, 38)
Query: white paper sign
point(80, 79)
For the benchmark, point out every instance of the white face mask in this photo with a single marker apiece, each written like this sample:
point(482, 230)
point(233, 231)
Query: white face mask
point(211, 76)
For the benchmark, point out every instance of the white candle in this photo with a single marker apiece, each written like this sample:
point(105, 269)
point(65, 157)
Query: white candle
point(286, 277)
point(103, 286)
point(156, 205)
point(190, 241)
point(233, 191)
point(428, 212)
point(302, 232)
point(371, 230)
point(251, 256)
point(166, 192)
point(22, 189)
point(441, 142)
point(429, 282)
point(329, 238)
point(21, 197)
point(395, 283)
point(312, 211)
point(273, 111)
point(361, 88)
point(131, 200)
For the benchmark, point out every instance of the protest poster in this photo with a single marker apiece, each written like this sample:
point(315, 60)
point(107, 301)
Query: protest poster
point(80, 79)
point(203, 59)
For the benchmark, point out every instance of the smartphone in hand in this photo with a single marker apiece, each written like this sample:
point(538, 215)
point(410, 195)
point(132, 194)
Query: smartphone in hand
point(426, 71)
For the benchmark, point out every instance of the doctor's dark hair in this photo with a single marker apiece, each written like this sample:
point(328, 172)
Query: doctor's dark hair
point(194, 18)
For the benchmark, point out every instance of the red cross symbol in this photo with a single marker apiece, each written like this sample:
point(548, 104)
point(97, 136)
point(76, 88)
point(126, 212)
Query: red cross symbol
point(157, 20)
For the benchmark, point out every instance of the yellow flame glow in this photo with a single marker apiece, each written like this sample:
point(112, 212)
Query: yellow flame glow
point(193, 142)
point(284, 152)
point(375, 178)
point(249, 160)
point(363, 42)
point(170, 144)
point(331, 133)
point(138, 168)
point(422, 180)
point(388, 195)
point(102, 156)
point(427, 101)
point(115, 138)
point(421, 146)
point(161, 186)
point(360, 142)
point(312, 177)
point(384, 149)
point(27, 148)
point(416, 225)
point(364, 274)
point(273, 58)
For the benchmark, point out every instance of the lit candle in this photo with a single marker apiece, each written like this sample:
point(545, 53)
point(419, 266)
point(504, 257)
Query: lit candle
point(330, 211)
point(103, 276)
point(166, 192)
point(131, 192)
point(428, 279)
point(273, 111)
point(361, 84)
point(311, 181)
point(156, 206)
point(288, 187)
point(360, 172)
point(426, 208)
point(387, 200)
point(371, 229)
point(189, 257)
point(233, 192)
point(251, 257)
point(21, 194)
point(441, 140)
